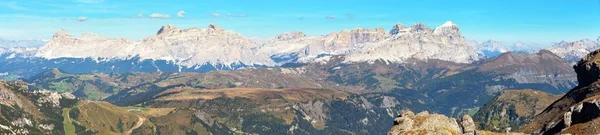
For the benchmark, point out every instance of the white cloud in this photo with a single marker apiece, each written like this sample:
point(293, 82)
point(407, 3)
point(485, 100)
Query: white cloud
point(330, 17)
point(181, 14)
point(158, 15)
point(82, 18)
point(215, 14)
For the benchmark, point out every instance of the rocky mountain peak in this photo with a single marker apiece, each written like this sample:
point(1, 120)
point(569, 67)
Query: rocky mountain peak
point(448, 28)
point(419, 27)
point(61, 33)
point(214, 27)
point(598, 40)
point(588, 68)
point(290, 35)
point(398, 28)
point(167, 29)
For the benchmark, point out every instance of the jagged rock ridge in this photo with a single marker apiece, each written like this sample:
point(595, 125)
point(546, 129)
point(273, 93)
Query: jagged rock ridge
point(213, 45)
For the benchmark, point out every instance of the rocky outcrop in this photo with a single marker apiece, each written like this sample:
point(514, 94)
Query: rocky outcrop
point(424, 123)
point(581, 113)
point(468, 125)
point(576, 112)
point(588, 69)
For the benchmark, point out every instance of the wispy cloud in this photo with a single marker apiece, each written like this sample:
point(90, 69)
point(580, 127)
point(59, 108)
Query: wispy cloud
point(351, 16)
point(330, 17)
point(82, 18)
point(90, 1)
point(215, 14)
point(159, 15)
point(218, 14)
point(12, 5)
point(181, 14)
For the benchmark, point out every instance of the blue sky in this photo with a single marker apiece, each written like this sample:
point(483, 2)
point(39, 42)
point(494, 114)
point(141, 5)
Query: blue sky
point(538, 21)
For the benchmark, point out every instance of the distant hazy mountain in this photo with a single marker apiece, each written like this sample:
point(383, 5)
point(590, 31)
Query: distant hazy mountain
point(491, 48)
point(574, 51)
point(5, 43)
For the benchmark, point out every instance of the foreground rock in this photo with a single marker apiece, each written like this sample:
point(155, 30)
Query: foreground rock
point(425, 123)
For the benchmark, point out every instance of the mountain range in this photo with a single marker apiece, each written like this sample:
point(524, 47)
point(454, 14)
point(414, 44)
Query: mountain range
point(201, 50)
point(215, 81)
point(5, 43)
point(213, 45)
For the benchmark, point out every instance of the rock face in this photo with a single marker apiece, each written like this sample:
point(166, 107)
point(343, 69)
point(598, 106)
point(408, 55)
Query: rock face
point(576, 112)
point(424, 123)
point(418, 42)
point(587, 69)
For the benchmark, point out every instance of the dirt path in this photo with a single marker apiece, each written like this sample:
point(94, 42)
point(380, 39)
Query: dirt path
point(137, 125)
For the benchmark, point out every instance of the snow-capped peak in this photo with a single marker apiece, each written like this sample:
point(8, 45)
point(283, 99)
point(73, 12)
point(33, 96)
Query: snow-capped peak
point(448, 24)
point(448, 29)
